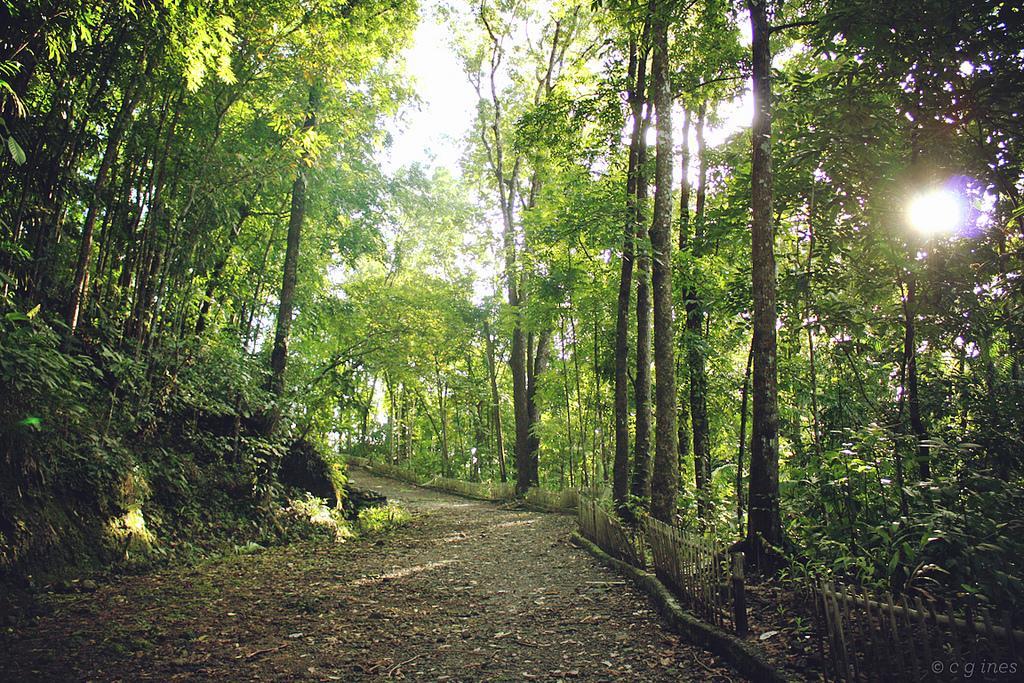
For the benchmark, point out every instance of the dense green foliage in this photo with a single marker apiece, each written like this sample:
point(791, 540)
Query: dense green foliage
point(152, 151)
point(436, 316)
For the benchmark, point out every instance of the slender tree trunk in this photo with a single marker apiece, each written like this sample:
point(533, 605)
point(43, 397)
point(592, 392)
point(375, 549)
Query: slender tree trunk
point(664, 485)
point(582, 412)
point(518, 366)
point(121, 215)
point(246, 321)
point(392, 418)
point(506, 182)
point(924, 469)
point(495, 402)
point(442, 405)
point(808, 312)
point(479, 439)
point(683, 410)
point(78, 283)
point(696, 369)
point(537, 368)
point(566, 394)
point(151, 251)
point(598, 400)
point(506, 178)
point(279, 354)
point(407, 418)
point(218, 269)
point(642, 447)
point(744, 400)
point(621, 467)
point(364, 427)
point(764, 521)
point(641, 483)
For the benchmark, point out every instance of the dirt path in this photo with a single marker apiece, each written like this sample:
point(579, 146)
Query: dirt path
point(467, 591)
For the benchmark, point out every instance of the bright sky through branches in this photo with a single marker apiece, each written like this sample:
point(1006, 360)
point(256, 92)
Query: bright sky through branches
point(431, 133)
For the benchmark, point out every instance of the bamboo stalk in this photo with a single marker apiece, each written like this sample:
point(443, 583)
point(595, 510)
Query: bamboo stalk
point(954, 635)
point(846, 600)
point(971, 632)
point(987, 620)
point(871, 661)
point(837, 616)
point(900, 644)
point(826, 613)
point(923, 628)
point(821, 626)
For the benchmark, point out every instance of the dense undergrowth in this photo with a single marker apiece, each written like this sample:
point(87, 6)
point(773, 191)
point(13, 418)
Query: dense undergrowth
point(110, 461)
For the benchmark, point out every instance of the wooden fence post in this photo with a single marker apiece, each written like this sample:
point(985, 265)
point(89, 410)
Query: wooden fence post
point(739, 595)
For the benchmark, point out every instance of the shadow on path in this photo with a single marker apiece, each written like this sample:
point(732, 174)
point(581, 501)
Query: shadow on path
point(468, 591)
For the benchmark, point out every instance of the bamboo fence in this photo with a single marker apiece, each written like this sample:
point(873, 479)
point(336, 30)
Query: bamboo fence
point(697, 570)
point(485, 490)
point(546, 499)
point(877, 637)
point(609, 534)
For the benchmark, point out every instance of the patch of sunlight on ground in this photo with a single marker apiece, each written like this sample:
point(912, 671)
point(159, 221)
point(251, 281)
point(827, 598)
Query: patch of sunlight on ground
point(518, 522)
point(402, 573)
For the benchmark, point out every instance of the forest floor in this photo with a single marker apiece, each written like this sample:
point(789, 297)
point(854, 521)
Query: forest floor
point(467, 591)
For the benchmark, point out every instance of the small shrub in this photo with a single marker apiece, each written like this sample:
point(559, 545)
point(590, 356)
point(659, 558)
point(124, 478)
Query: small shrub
point(384, 518)
point(313, 516)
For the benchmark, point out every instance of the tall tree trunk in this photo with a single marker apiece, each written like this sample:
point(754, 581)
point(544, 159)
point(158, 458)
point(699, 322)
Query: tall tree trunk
point(683, 409)
point(537, 368)
point(581, 412)
point(78, 283)
point(151, 251)
point(364, 426)
point(635, 177)
point(642, 447)
point(476, 452)
point(246, 320)
point(620, 479)
point(392, 418)
point(520, 406)
point(808, 303)
point(664, 485)
point(119, 216)
point(744, 400)
point(442, 405)
point(279, 354)
point(506, 181)
point(495, 402)
point(696, 369)
point(517, 359)
point(568, 410)
point(924, 469)
point(641, 483)
point(406, 451)
point(479, 440)
point(764, 520)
